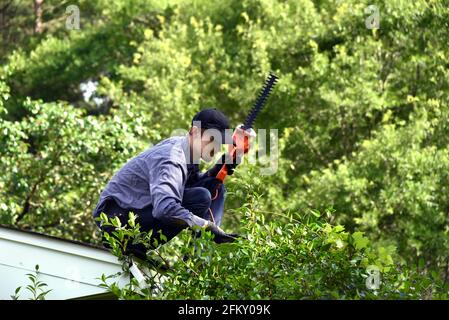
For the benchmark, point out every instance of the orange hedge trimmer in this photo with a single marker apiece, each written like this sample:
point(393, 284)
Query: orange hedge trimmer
point(242, 134)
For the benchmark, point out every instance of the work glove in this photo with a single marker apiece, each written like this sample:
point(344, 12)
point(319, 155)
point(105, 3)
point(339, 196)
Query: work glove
point(230, 164)
point(219, 235)
point(211, 184)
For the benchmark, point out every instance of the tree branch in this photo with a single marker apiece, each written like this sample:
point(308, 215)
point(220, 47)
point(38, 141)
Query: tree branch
point(38, 15)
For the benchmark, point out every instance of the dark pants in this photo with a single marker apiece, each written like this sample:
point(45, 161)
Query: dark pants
point(197, 199)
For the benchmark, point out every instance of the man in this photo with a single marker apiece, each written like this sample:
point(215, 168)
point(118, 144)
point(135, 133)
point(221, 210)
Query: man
point(164, 188)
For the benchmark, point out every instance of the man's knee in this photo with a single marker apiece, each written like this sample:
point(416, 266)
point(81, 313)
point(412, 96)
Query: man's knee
point(203, 198)
point(197, 200)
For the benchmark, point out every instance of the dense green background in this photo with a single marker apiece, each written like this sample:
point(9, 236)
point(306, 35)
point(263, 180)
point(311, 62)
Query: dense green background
point(362, 114)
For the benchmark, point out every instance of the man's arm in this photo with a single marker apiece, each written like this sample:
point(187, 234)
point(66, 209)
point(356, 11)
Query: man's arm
point(166, 181)
point(165, 186)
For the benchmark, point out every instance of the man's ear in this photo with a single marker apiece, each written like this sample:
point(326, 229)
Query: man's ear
point(193, 130)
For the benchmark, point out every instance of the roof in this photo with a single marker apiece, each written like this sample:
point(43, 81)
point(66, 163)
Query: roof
point(91, 245)
point(70, 268)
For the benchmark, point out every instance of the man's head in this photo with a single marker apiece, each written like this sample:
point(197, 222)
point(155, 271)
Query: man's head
point(208, 133)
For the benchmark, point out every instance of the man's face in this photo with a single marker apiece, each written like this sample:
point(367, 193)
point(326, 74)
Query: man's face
point(206, 143)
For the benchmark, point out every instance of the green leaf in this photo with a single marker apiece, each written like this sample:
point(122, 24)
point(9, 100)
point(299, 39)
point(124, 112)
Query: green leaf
point(360, 242)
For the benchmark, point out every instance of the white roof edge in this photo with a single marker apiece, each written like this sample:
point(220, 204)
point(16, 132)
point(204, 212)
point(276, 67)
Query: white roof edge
point(61, 245)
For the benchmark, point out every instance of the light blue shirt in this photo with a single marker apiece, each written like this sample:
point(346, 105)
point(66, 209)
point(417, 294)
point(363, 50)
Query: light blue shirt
point(156, 177)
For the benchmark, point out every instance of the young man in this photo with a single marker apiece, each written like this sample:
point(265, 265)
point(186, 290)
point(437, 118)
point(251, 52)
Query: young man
point(164, 188)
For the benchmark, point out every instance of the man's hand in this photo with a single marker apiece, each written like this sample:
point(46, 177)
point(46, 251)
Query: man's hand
point(242, 139)
point(231, 164)
point(211, 184)
point(242, 143)
point(219, 235)
point(224, 159)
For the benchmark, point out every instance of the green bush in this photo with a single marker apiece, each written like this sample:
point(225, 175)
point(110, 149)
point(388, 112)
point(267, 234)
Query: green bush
point(299, 257)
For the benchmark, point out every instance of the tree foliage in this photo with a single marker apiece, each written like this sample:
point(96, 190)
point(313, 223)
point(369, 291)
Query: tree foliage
point(361, 113)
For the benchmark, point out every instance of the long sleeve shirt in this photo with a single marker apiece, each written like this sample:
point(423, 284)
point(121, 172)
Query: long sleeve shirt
point(156, 177)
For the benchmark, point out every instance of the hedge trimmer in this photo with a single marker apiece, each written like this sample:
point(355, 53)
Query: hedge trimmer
point(242, 134)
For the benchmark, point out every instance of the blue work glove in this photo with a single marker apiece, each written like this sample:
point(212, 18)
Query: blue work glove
point(231, 165)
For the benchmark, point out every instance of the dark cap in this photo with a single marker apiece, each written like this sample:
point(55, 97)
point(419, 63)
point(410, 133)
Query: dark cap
point(213, 119)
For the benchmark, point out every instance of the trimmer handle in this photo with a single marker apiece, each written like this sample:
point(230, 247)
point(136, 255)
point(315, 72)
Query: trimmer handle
point(241, 139)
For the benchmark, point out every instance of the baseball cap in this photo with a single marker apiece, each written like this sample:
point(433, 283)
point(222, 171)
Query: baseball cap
point(212, 118)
